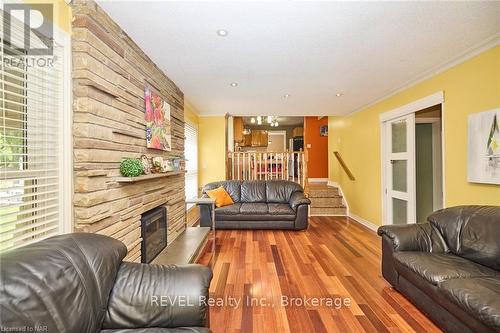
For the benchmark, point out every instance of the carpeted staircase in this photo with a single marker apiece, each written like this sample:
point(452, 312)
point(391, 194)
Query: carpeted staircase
point(325, 200)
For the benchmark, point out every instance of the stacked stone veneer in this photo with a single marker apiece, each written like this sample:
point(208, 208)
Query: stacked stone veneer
point(109, 75)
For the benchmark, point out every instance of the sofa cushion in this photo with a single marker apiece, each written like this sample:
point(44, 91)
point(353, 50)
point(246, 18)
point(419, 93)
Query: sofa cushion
point(280, 191)
point(253, 191)
point(233, 187)
point(471, 232)
point(253, 208)
point(228, 210)
point(280, 209)
point(478, 296)
point(437, 267)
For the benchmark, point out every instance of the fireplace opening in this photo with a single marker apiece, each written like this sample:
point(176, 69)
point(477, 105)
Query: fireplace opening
point(153, 233)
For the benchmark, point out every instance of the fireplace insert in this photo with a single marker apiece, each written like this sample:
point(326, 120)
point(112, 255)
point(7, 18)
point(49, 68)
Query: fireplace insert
point(153, 233)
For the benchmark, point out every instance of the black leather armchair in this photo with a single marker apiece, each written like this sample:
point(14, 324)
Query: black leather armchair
point(272, 204)
point(449, 267)
point(78, 283)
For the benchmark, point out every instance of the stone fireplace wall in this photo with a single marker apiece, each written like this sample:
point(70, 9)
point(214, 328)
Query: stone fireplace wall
point(109, 75)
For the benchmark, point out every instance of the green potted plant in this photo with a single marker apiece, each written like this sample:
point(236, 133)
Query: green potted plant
point(131, 167)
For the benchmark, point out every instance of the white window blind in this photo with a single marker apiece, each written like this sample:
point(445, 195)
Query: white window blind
point(191, 154)
point(30, 145)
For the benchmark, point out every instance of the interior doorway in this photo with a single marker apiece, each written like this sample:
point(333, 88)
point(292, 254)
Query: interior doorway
point(412, 161)
point(428, 159)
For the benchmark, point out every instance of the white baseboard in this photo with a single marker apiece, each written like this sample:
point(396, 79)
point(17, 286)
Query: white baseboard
point(328, 215)
point(344, 199)
point(332, 183)
point(364, 222)
point(317, 180)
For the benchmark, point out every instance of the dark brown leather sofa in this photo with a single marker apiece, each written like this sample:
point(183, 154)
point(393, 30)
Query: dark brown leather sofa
point(259, 204)
point(78, 283)
point(449, 267)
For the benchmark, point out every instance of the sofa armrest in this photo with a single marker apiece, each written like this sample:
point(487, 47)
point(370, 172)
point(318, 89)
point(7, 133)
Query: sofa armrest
point(408, 237)
point(298, 198)
point(413, 237)
point(158, 296)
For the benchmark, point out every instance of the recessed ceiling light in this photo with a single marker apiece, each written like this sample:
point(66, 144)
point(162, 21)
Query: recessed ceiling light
point(286, 95)
point(338, 94)
point(233, 84)
point(222, 32)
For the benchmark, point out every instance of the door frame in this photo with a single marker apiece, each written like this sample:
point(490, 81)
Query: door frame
point(384, 118)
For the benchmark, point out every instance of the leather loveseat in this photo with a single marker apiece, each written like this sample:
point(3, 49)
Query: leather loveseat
point(78, 283)
point(449, 267)
point(259, 204)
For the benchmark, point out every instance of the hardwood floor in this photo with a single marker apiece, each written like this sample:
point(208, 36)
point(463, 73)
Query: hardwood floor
point(336, 261)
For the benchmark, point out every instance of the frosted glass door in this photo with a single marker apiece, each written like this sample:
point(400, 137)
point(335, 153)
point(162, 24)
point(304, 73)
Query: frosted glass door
point(400, 167)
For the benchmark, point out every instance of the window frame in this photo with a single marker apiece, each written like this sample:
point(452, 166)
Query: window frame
point(194, 126)
point(64, 160)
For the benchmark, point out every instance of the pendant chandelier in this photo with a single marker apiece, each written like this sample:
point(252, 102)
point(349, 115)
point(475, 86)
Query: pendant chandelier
point(271, 120)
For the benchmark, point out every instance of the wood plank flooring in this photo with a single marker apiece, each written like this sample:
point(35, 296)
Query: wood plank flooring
point(325, 279)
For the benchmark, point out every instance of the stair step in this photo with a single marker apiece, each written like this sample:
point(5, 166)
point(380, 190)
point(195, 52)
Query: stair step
point(323, 192)
point(328, 211)
point(335, 201)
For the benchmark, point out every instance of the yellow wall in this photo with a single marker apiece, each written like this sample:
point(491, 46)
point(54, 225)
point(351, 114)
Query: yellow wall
point(190, 113)
point(470, 87)
point(61, 11)
point(211, 144)
point(212, 149)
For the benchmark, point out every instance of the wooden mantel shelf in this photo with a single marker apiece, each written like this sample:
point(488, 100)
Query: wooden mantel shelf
point(146, 177)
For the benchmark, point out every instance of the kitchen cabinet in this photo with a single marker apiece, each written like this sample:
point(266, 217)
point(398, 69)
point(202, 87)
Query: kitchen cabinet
point(247, 140)
point(259, 138)
point(238, 129)
point(298, 131)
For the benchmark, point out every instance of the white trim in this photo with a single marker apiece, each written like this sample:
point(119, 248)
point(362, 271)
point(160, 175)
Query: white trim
point(67, 193)
point(341, 193)
point(410, 108)
point(317, 180)
point(475, 50)
point(364, 222)
point(443, 154)
point(386, 159)
point(332, 183)
point(420, 104)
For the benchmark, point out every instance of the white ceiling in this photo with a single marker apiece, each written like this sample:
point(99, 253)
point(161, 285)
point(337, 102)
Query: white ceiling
point(311, 50)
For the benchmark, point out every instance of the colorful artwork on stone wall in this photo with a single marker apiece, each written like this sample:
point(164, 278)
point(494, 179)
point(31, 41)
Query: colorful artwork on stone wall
point(157, 115)
point(484, 147)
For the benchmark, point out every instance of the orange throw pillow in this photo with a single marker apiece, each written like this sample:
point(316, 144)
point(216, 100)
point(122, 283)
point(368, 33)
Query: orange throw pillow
point(222, 198)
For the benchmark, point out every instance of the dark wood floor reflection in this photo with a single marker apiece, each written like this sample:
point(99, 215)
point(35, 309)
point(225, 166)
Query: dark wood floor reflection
point(326, 279)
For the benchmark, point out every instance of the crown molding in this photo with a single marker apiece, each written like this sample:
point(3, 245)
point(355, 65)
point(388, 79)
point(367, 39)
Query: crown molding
point(473, 51)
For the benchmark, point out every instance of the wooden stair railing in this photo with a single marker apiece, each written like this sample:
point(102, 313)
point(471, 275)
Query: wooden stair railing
point(287, 165)
point(344, 166)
